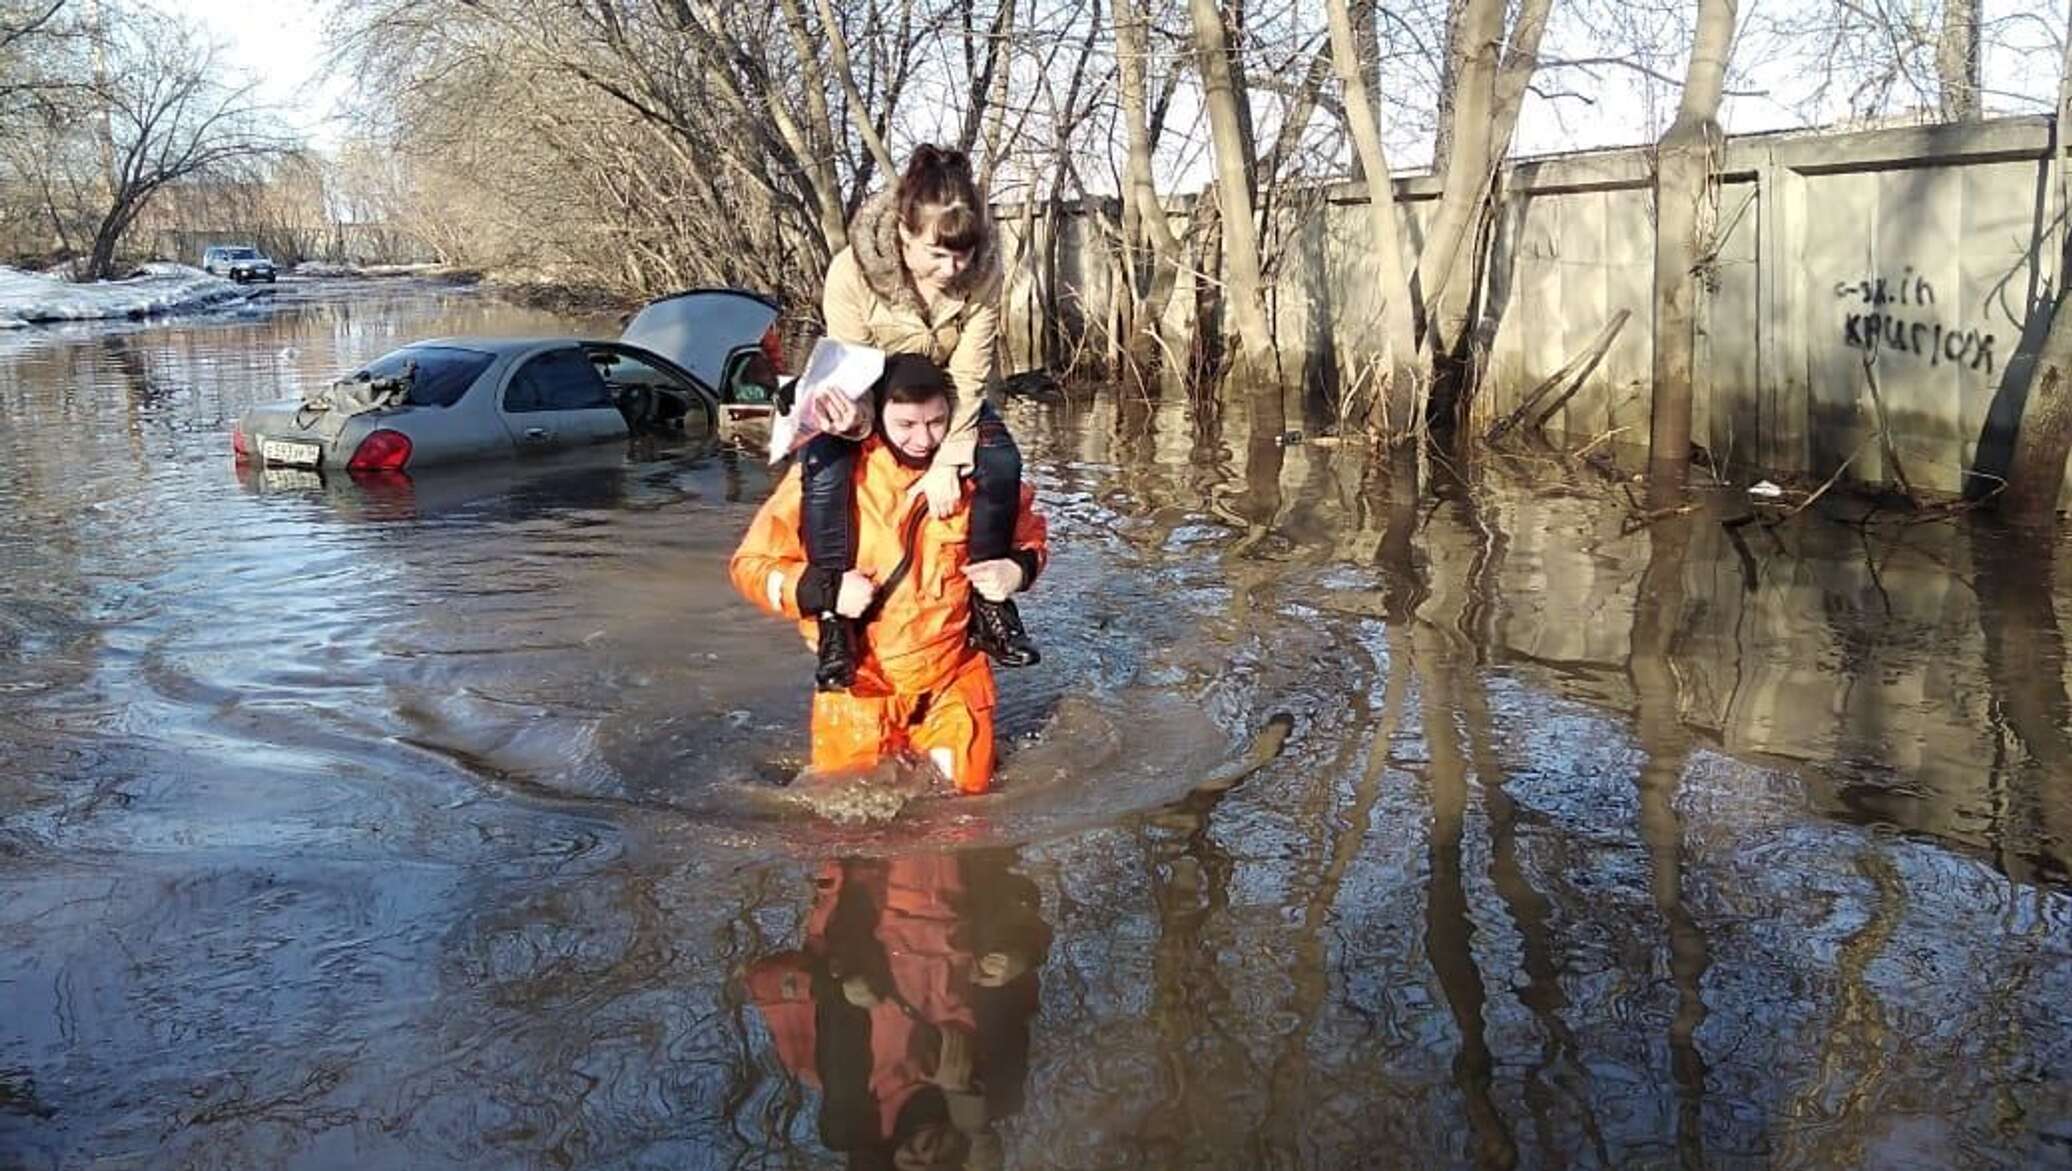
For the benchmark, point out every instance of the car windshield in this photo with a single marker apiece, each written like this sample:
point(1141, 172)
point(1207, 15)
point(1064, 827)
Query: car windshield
point(443, 375)
point(240, 253)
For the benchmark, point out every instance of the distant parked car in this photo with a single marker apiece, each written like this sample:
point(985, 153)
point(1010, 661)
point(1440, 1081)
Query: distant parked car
point(693, 364)
point(239, 262)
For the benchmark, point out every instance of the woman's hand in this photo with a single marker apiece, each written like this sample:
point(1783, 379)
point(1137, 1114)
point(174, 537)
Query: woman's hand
point(943, 488)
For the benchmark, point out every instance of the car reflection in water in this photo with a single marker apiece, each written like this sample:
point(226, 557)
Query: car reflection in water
point(908, 1005)
point(603, 478)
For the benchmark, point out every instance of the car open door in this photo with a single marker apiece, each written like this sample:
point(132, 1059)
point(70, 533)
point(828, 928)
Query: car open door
point(699, 328)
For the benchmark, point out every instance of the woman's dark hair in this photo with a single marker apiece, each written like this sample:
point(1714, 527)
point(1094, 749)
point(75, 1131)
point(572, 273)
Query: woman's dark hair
point(939, 201)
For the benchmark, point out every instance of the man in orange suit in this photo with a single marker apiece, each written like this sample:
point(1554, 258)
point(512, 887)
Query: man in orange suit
point(920, 688)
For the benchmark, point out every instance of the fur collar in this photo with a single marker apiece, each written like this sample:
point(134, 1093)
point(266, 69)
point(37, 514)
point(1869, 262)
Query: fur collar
point(874, 237)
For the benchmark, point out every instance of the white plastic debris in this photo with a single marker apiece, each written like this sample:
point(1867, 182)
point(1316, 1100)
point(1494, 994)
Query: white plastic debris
point(1765, 490)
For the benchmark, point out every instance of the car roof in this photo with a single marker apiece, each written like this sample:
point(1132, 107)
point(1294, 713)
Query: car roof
point(505, 346)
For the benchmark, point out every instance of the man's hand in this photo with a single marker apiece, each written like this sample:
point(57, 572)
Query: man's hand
point(839, 413)
point(995, 581)
point(943, 488)
point(855, 594)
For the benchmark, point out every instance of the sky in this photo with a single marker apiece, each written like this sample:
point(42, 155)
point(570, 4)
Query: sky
point(281, 42)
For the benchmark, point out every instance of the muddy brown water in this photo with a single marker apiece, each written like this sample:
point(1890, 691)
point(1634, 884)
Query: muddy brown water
point(432, 825)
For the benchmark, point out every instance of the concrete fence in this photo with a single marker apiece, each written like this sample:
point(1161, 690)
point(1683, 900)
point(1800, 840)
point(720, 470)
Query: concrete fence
point(1913, 269)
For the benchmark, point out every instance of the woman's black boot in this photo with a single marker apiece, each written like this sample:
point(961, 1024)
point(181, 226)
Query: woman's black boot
point(996, 628)
point(837, 669)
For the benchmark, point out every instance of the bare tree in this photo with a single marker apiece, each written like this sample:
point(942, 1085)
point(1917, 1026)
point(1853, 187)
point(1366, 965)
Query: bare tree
point(1957, 61)
point(2036, 474)
point(27, 30)
point(141, 102)
point(1229, 128)
point(1401, 371)
point(1489, 83)
point(1687, 163)
point(1146, 224)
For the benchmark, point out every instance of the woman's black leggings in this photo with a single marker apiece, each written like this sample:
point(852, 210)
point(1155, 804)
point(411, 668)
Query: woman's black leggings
point(827, 520)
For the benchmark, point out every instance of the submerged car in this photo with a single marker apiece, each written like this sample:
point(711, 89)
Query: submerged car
point(696, 364)
point(239, 262)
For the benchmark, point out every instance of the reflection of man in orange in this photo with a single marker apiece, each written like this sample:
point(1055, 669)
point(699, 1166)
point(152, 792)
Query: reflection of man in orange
point(920, 686)
point(909, 1007)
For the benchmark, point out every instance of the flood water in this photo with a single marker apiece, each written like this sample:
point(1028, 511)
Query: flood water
point(435, 825)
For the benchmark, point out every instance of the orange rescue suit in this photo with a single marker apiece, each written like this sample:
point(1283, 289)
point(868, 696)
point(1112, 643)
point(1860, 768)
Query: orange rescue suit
point(918, 686)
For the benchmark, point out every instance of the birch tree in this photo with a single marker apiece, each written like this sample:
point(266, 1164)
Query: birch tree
point(1245, 292)
point(1686, 213)
point(1957, 61)
point(1402, 373)
point(1489, 83)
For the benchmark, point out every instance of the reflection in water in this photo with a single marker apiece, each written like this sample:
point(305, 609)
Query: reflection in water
point(1449, 931)
point(416, 824)
point(1656, 611)
point(1825, 1123)
point(2025, 659)
point(908, 1006)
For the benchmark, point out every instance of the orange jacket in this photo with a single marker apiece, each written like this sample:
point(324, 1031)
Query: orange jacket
point(915, 642)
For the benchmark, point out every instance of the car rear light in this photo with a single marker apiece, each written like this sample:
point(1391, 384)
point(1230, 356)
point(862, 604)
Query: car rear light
point(239, 449)
point(773, 349)
point(382, 451)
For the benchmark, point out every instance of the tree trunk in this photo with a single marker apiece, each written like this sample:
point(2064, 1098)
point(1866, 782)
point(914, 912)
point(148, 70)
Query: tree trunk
point(100, 265)
point(1205, 346)
point(987, 93)
point(816, 144)
point(1685, 163)
point(1472, 59)
point(1451, 296)
point(1957, 61)
point(859, 110)
point(1302, 107)
point(2036, 475)
point(1144, 216)
point(1449, 86)
point(1246, 291)
point(1400, 364)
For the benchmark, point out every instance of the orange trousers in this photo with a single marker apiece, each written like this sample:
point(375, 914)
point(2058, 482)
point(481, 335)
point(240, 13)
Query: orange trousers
point(952, 727)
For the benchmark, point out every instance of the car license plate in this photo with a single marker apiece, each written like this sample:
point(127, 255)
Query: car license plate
point(294, 455)
point(290, 479)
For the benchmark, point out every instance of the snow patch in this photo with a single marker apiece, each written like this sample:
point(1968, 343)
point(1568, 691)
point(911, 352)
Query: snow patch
point(323, 268)
point(27, 298)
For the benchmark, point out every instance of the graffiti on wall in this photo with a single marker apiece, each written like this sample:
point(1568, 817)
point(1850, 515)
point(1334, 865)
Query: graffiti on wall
point(1899, 317)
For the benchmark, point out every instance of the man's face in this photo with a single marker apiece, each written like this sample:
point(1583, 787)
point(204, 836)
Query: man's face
point(917, 429)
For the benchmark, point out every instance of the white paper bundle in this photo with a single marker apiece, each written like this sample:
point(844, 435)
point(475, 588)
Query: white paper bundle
point(833, 367)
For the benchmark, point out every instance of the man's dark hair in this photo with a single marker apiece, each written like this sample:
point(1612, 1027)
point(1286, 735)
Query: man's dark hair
point(911, 378)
